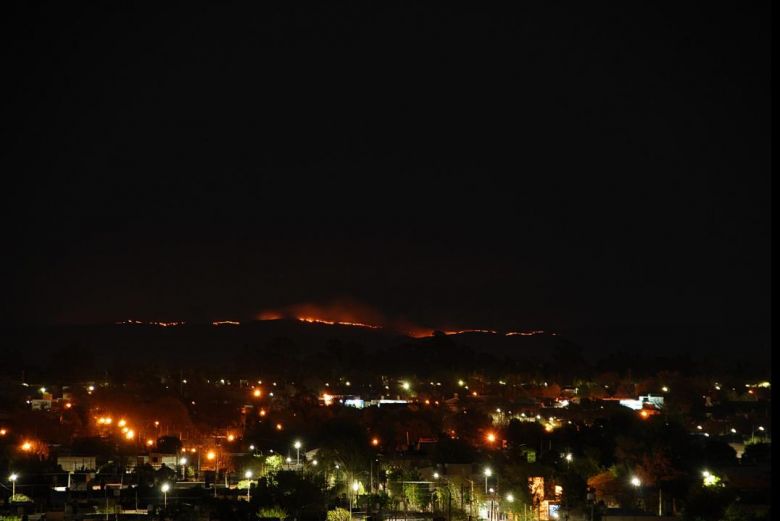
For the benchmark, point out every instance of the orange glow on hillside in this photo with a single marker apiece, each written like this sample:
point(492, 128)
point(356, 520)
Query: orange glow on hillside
point(525, 333)
point(269, 315)
point(462, 331)
point(314, 320)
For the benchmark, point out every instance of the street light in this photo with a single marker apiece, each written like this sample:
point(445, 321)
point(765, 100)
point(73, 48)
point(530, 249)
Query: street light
point(165, 488)
point(510, 498)
point(12, 478)
point(488, 472)
point(635, 481)
point(435, 475)
point(297, 446)
point(248, 475)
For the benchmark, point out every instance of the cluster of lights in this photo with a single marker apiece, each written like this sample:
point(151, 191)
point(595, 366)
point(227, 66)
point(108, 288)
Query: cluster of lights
point(128, 433)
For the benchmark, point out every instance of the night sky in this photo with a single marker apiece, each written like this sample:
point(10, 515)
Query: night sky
point(550, 166)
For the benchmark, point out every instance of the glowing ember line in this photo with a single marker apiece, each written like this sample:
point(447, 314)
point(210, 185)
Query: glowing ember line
point(312, 320)
point(525, 333)
point(470, 331)
point(132, 322)
point(225, 323)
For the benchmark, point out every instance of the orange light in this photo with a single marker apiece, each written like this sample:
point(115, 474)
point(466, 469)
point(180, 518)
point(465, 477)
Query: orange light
point(122, 423)
point(257, 393)
point(491, 437)
point(375, 442)
point(192, 449)
point(262, 412)
point(156, 423)
point(644, 414)
point(107, 420)
point(3, 432)
point(68, 405)
point(231, 437)
point(211, 456)
point(149, 443)
point(474, 393)
point(427, 402)
point(130, 434)
point(27, 446)
point(278, 426)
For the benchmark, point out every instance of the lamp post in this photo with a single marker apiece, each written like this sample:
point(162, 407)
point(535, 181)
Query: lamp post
point(637, 483)
point(165, 488)
point(355, 486)
point(488, 472)
point(12, 479)
point(297, 446)
point(248, 475)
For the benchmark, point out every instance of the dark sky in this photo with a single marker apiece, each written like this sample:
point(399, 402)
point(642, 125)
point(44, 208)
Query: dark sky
point(553, 165)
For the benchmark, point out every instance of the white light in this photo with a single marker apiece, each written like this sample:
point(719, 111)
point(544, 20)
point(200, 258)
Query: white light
point(13, 477)
point(183, 461)
point(297, 445)
point(435, 475)
point(510, 498)
point(665, 389)
point(491, 490)
point(733, 430)
point(635, 481)
point(406, 386)
point(314, 462)
point(488, 472)
point(165, 487)
point(248, 474)
point(761, 428)
point(251, 447)
point(355, 486)
point(569, 457)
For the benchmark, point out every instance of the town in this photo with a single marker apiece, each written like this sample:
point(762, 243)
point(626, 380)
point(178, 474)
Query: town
point(434, 442)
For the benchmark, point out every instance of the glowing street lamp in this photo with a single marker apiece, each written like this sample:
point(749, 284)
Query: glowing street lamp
point(488, 472)
point(406, 386)
point(12, 478)
point(635, 481)
point(510, 498)
point(297, 446)
point(248, 475)
point(165, 488)
point(435, 475)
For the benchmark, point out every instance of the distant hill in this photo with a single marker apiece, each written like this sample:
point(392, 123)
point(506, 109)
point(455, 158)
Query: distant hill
point(206, 344)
